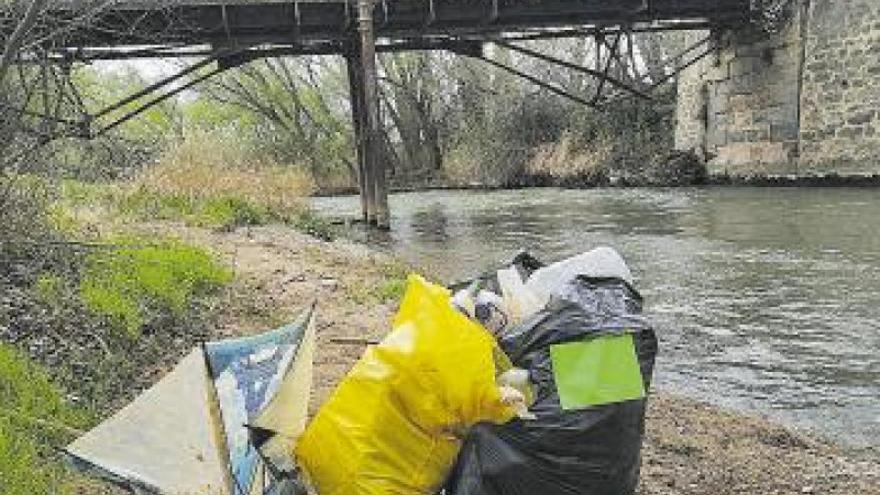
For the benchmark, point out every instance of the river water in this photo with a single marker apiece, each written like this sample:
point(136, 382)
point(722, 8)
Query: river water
point(765, 299)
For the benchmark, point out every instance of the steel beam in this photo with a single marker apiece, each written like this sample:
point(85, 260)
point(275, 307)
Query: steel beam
point(194, 22)
point(584, 70)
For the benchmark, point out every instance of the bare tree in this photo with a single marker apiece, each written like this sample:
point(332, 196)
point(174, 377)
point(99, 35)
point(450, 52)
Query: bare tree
point(301, 104)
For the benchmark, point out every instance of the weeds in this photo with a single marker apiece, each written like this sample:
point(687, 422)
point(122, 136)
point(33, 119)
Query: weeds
point(202, 168)
point(34, 420)
point(129, 284)
point(390, 287)
point(563, 159)
point(190, 185)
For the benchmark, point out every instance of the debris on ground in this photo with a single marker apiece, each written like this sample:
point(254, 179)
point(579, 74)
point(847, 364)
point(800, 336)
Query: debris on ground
point(689, 448)
point(223, 421)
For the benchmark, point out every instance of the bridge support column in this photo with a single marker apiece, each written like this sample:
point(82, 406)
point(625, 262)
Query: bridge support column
point(365, 114)
point(355, 86)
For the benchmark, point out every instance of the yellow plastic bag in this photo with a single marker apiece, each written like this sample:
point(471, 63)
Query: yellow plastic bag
point(394, 424)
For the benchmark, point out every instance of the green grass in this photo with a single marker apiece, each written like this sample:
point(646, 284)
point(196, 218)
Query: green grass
point(222, 212)
point(391, 290)
point(34, 421)
point(313, 225)
point(390, 287)
point(141, 278)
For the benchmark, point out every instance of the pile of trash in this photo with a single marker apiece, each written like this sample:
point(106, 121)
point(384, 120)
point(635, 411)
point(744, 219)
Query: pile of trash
point(530, 379)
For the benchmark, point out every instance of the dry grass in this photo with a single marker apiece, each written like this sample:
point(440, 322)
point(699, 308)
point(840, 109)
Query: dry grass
point(564, 159)
point(210, 181)
point(208, 166)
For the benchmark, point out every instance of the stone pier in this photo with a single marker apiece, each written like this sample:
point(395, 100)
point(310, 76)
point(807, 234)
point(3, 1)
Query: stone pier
point(802, 100)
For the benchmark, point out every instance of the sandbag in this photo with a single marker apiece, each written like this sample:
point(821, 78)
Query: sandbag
point(586, 443)
point(395, 423)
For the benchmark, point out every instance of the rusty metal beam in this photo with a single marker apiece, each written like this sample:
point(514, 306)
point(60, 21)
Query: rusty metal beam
point(154, 87)
point(159, 99)
point(611, 52)
point(198, 22)
point(538, 82)
point(575, 67)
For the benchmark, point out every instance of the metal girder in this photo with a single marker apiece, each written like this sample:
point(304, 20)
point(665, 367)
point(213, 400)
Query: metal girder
point(244, 32)
point(612, 55)
point(584, 70)
point(679, 62)
point(538, 82)
point(197, 22)
point(159, 99)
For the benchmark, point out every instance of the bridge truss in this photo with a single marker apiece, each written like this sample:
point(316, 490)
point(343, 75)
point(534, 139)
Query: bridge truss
point(220, 35)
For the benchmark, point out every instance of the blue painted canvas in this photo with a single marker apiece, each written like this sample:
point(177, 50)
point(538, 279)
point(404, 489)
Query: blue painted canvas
point(247, 373)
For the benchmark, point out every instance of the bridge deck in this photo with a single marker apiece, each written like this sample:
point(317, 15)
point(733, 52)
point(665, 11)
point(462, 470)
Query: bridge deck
point(201, 22)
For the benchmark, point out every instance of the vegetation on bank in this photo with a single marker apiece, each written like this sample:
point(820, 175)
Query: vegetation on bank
point(98, 326)
point(139, 280)
point(447, 120)
point(204, 181)
point(90, 312)
point(390, 286)
point(34, 420)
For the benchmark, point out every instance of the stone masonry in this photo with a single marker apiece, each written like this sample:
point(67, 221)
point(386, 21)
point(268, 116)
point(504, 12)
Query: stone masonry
point(801, 101)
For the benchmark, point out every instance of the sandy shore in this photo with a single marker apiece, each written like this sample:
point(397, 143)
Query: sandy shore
point(690, 448)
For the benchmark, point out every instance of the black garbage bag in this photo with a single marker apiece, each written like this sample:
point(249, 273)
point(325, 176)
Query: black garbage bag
point(591, 451)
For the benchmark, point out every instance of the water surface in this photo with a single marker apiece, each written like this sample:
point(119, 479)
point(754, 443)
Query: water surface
point(765, 299)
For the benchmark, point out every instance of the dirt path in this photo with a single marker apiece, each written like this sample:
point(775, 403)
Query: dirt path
point(690, 449)
point(280, 271)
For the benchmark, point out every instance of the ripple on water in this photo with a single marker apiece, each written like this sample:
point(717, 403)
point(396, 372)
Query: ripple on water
point(765, 299)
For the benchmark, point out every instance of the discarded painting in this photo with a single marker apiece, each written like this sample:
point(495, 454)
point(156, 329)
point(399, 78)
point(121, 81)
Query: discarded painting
point(189, 433)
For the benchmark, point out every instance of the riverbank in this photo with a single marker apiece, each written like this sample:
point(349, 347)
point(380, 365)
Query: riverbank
point(533, 182)
point(690, 448)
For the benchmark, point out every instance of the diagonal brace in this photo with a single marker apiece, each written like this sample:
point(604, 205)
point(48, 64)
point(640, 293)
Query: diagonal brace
point(584, 70)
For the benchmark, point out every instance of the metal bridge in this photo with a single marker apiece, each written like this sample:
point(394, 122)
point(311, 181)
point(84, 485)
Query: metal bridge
point(229, 33)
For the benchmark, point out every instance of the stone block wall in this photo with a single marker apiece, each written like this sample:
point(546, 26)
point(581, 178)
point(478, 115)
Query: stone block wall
point(840, 96)
point(801, 101)
point(690, 128)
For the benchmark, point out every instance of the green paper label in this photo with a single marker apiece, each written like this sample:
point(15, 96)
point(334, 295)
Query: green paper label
point(599, 371)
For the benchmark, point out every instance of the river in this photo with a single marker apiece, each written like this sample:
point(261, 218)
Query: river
point(765, 300)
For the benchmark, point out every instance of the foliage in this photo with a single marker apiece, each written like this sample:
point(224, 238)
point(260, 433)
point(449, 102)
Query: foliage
point(391, 290)
point(565, 159)
point(129, 284)
point(211, 181)
point(315, 226)
point(123, 151)
point(292, 110)
point(34, 420)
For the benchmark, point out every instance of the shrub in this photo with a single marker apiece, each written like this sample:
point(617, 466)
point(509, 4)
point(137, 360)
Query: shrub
point(204, 166)
point(564, 160)
point(131, 284)
point(314, 225)
point(216, 183)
